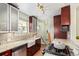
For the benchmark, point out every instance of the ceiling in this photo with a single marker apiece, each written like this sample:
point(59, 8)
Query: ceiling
point(51, 9)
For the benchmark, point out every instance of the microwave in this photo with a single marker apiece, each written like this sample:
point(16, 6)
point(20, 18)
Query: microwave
point(65, 28)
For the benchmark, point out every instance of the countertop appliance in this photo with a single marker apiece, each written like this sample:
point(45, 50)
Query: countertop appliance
point(52, 51)
point(65, 28)
point(58, 44)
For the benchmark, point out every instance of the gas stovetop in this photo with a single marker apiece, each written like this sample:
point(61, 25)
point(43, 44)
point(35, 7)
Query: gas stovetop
point(59, 52)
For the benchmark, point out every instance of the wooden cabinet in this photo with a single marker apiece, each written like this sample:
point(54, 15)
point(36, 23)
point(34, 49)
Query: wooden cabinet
point(57, 28)
point(57, 22)
point(6, 53)
point(23, 50)
point(8, 18)
point(33, 49)
point(38, 44)
point(32, 24)
point(65, 15)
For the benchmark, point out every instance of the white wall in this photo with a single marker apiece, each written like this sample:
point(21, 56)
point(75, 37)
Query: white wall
point(51, 28)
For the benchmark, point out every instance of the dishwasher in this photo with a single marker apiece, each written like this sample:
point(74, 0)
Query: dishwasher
point(20, 51)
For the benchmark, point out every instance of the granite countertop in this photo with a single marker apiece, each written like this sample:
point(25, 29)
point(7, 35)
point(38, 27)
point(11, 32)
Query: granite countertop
point(15, 44)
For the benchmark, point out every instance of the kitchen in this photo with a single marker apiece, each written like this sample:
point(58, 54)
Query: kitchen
point(25, 28)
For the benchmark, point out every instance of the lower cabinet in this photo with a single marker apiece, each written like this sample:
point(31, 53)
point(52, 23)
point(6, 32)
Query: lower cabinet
point(38, 44)
point(23, 50)
point(6, 53)
point(33, 49)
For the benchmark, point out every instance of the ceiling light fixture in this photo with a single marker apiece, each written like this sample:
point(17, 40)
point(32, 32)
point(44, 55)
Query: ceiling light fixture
point(41, 7)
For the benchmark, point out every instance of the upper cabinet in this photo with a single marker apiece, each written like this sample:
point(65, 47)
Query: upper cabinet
point(23, 22)
point(32, 24)
point(57, 28)
point(13, 18)
point(65, 15)
point(4, 17)
point(8, 18)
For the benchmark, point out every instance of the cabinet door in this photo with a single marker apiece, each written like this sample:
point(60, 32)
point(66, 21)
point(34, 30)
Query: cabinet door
point(13, 19)
point(65, 15)
point(30, 24)
point(31, 50)
point(57, 28)
point(34, 24)
point(38, 44)
point(4, 17)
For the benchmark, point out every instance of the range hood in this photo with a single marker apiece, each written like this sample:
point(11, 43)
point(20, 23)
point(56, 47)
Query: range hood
point(65, 28)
